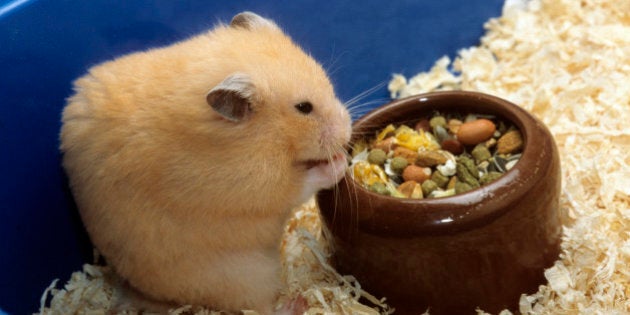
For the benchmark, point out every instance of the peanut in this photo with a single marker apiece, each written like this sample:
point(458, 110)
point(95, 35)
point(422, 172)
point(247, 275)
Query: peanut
point(475, 131)
point(416, 173)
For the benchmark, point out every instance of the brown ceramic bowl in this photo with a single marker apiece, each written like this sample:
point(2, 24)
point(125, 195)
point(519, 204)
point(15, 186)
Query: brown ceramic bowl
point(482, 248)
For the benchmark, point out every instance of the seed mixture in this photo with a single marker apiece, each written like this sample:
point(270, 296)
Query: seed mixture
point(442, 155)
point(566, 62)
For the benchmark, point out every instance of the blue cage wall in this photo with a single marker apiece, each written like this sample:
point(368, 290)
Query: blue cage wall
point(45, 45)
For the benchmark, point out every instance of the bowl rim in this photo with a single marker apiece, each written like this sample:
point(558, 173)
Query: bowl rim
point(461, 211)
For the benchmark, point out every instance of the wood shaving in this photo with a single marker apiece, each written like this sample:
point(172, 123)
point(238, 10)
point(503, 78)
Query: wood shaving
point(568, 63)
point(565, 61)
point(306, 271)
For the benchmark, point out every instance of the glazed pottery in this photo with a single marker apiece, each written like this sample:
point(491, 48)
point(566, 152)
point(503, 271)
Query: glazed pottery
point(483, 248)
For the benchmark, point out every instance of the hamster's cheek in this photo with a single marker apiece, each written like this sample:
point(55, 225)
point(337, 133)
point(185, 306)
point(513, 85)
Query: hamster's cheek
point(323, 175)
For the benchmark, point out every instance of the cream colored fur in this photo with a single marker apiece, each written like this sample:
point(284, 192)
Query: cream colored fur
point(184, 204)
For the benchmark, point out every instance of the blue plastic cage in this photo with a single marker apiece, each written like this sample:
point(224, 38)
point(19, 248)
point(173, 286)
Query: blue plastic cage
point(45, 45)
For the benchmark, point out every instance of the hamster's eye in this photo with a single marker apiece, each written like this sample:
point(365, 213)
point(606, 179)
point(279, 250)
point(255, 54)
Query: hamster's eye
point(304, 107)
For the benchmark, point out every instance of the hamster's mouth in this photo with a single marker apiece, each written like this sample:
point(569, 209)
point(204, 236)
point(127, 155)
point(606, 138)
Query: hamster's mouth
point(309, 164)
point(314, 163)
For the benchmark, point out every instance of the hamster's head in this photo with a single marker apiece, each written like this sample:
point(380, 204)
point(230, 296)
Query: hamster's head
point(285, 102)
point(238, 119)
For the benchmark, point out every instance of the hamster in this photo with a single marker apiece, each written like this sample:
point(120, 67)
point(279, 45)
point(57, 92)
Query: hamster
point(186, 160)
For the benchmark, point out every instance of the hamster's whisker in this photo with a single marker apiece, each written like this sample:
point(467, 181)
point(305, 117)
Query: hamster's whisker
point(349, 103)
point(334, 151)
point(361, 109)
point(333, 64)
point(352, 214)
point(354, 207)
point(355, 107)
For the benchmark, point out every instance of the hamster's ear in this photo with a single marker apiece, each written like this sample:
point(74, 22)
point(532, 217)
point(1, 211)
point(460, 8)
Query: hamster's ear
point(251, 21)
point(232, 98)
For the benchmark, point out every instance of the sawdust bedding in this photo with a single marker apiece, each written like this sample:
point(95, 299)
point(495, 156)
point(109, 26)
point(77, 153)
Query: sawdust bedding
point(565, 61)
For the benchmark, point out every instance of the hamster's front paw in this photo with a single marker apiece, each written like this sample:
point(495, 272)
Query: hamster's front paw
point(324, 175)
